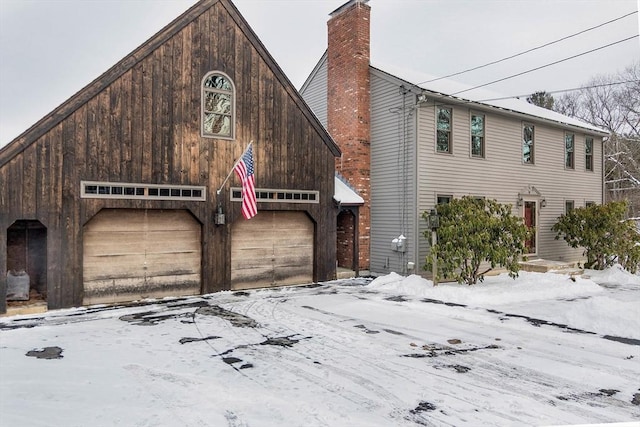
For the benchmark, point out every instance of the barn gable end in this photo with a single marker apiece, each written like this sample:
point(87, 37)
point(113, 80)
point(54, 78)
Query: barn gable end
point(136, 128)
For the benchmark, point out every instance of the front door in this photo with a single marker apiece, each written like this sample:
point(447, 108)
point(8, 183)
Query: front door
point(530, 221)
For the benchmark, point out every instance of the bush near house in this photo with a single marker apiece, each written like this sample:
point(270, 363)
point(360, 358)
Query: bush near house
point(473, 231)
point(603, 232)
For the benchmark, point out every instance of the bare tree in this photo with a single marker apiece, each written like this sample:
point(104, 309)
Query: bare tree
point(612, 102)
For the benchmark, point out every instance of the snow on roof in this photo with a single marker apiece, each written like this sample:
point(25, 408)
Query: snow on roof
point(481, 96)
point(344, 194)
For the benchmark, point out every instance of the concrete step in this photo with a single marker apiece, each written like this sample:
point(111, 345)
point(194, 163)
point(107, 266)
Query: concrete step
point(545, 265)
point(345, 273)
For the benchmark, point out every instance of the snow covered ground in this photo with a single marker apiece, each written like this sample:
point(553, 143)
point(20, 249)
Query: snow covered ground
point(396, 351)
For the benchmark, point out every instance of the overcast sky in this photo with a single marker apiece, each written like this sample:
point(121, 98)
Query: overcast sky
point(50, 49)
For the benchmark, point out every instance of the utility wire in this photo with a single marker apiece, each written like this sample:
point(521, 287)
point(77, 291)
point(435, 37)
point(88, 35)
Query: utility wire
point(544, 66)
point(530, 50)
point(560, 91)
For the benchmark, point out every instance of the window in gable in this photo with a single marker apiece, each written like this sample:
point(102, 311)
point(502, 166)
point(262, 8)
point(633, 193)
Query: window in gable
point(477, 135)
point(569, 144)
point(588, 153)
point(443, 139)
point(218, 106)
point(528, 143)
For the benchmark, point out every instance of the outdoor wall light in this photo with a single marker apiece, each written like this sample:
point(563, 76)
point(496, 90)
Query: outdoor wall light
point(218, 218)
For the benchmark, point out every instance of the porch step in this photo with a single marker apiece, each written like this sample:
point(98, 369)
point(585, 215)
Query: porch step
point(545, 265)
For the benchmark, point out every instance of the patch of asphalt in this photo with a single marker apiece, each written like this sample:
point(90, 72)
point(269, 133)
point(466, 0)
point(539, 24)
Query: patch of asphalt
point(46, 353)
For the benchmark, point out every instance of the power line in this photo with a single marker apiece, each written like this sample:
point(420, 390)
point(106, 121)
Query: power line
point(530, 50)
point(544, 66)
point(560, 91)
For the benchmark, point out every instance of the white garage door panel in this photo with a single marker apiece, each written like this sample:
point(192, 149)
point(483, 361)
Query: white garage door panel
point(272, 249)
point(134, 254)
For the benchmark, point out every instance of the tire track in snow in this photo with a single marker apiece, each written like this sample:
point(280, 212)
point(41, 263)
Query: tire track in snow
point(265, 310)
point(532, 384)
point(179, 408)
point(389, 370)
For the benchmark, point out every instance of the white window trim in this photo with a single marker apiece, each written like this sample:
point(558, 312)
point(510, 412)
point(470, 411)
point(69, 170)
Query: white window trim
point(439, 195)
point(483, 155)
point(450, 151)
point(272, 195)
point(593, 145)
point(573, 151)
point(573, 205)
point(141, 191)
point(533, 144)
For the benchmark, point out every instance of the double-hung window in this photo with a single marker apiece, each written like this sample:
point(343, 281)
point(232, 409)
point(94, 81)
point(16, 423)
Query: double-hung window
point(477, 135)
point(218, 106)
point(442, 199)
point(443, 139)
point(568, 206)
point(528, 142)
point(588, 153)
point(569, 150)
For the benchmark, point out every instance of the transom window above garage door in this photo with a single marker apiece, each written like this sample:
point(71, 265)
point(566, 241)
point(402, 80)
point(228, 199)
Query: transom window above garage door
point(286, 196)
point(118, 190)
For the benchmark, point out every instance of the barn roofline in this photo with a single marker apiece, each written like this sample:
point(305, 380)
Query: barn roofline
point(68, 107)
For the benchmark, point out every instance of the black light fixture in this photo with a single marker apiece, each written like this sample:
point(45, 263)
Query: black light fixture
point(219, 216)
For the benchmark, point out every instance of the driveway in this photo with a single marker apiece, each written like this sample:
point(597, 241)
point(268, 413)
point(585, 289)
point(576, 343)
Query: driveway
point(334, 354)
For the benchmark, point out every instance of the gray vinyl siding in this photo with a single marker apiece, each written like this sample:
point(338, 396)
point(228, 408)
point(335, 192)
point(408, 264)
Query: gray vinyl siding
point(393, 200)
point(501, 175)
point(314, 91)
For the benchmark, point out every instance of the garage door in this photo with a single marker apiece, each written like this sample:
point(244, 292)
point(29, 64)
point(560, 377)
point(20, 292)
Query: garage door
point(134, 254)
point(272, 249)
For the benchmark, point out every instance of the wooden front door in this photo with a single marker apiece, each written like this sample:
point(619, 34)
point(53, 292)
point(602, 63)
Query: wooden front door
point(530, 216)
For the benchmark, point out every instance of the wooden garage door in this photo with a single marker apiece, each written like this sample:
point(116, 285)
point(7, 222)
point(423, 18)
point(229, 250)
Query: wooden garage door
point(272, 249)
point(133, 254)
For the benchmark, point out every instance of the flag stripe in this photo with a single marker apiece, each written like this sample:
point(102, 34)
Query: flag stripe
point(244, 170)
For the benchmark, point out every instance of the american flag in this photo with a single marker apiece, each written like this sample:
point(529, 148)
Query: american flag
point(244, 170)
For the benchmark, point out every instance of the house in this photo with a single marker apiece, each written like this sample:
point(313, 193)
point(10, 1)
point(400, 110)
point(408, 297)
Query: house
point(120, 193)
point(408, 146)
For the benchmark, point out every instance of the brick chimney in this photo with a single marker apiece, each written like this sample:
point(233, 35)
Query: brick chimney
point(349, 105)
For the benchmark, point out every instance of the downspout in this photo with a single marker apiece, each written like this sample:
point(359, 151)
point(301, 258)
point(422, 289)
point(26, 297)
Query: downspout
point(405, 174)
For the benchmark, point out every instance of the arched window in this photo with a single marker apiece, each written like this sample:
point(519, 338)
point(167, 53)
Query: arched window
point(218, 106)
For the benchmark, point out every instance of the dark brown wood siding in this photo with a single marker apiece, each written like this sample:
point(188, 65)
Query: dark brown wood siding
point(143, 125)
